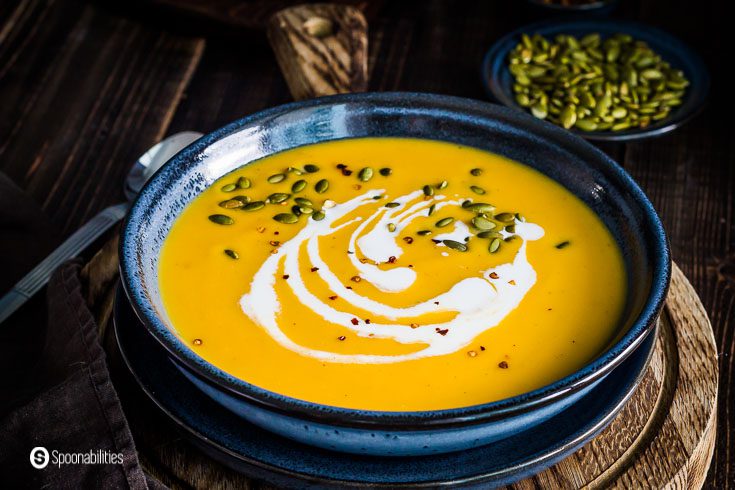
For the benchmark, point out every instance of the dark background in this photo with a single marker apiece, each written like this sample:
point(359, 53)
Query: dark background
point(73, 116)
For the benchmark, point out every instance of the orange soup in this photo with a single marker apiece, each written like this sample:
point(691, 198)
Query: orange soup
point(392, 274)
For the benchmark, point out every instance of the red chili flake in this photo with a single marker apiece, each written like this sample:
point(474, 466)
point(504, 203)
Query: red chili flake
point(275, 243)
point(442, 331)
point(392, 259)
point(260, 229)
point(482, 348)
point(356, 279)
point(341, 166)
point(472, 353)
point(333, 297)
point(346, 172)
point(285, 276)
point(408, 239)
point(197, 341)
point(367, 320)
point(363, 261)
point(276, 232)
point(436, 302)
point(341, 337)
point(314, 269)
point(414, 325)
point(357, 187)
point(503, 365)
point(435, 240)
point(494, 275)
point(355, 321)
point(350, 252)
point(348, 287)
point(410, 266)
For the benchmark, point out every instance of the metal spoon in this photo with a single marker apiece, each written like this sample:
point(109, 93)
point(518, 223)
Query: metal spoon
point(141, 171)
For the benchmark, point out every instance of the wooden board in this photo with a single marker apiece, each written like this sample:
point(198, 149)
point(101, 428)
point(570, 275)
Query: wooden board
point(663, 437)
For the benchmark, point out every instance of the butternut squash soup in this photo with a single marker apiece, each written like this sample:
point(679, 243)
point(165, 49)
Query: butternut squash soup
point(392, 274)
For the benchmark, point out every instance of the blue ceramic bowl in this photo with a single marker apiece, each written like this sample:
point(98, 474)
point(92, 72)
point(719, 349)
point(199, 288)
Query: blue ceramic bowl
point(498, 80)
point(577, 165)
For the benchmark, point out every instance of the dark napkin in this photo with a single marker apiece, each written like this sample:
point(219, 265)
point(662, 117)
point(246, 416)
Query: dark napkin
point(66, 401)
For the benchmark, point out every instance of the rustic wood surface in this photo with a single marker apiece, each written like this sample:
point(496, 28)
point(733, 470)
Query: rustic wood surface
point(80, 98)
point(329, 59)
point(663, 437)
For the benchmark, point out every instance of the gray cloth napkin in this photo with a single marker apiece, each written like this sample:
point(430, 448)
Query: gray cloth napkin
point(61, 397)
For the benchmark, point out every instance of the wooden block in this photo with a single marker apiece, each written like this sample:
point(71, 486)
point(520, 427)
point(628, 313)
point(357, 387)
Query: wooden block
point(321, 49)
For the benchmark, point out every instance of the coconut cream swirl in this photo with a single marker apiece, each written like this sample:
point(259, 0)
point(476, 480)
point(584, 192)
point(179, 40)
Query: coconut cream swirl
point(480, 303)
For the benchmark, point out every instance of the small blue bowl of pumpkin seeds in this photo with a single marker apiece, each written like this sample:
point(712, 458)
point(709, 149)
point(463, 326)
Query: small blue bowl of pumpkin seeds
point(604, 80)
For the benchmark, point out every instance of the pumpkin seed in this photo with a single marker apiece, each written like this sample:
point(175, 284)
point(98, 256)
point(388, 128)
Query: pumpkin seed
point(306, 210)
point(481, 207)
point(428, 190)
point(318, 215)
point(594, 84)
point(221, 219)
point(253, 206)
point(482, 223)
point(520, 217)
point(392, 205)
point(228, 187)
point(423, 232)
point(454, 245)
point(302, 201)
point(286, 218)
point(444, 222)
point(476, 172)
point(311, 168)
point(242, 199)
point(231, 204)
point(477, 190)
point(391, 227)
point(278, 197)
point(488, 234)
point(232, 254)
point(442, 185)
point(298, 186)
point(505, 217)
point(432, 208)
point(494, 245)
point(510, 228)
point(294, 170)
point(322, 186)
point(385, 171)
point(276, 178)
point(365, 174)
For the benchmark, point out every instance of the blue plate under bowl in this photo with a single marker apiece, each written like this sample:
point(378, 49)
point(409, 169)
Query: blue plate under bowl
point(265, 456)
point(498, 80)
point(581, 168)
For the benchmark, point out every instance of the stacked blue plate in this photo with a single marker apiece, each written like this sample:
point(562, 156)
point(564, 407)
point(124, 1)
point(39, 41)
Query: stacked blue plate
point(264, 456)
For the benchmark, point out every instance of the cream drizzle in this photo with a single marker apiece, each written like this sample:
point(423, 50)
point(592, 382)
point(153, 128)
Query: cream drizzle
point(480, 303)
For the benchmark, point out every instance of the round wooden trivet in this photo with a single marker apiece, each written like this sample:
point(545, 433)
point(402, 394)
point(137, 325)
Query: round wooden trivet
point(664, 436)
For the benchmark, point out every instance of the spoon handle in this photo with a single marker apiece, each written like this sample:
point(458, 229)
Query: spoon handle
point(78, 241)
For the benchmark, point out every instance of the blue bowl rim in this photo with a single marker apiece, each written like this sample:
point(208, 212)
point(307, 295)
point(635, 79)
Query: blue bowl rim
point(498, 94)
point(408, 420)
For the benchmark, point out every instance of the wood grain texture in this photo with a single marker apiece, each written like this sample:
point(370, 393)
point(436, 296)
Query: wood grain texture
point(663, 437)
point(82, 94)
point(317, 65)
point(420, 45)
point(251, 14)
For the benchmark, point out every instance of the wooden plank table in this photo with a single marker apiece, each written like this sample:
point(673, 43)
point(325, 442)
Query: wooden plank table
point(84, 90)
